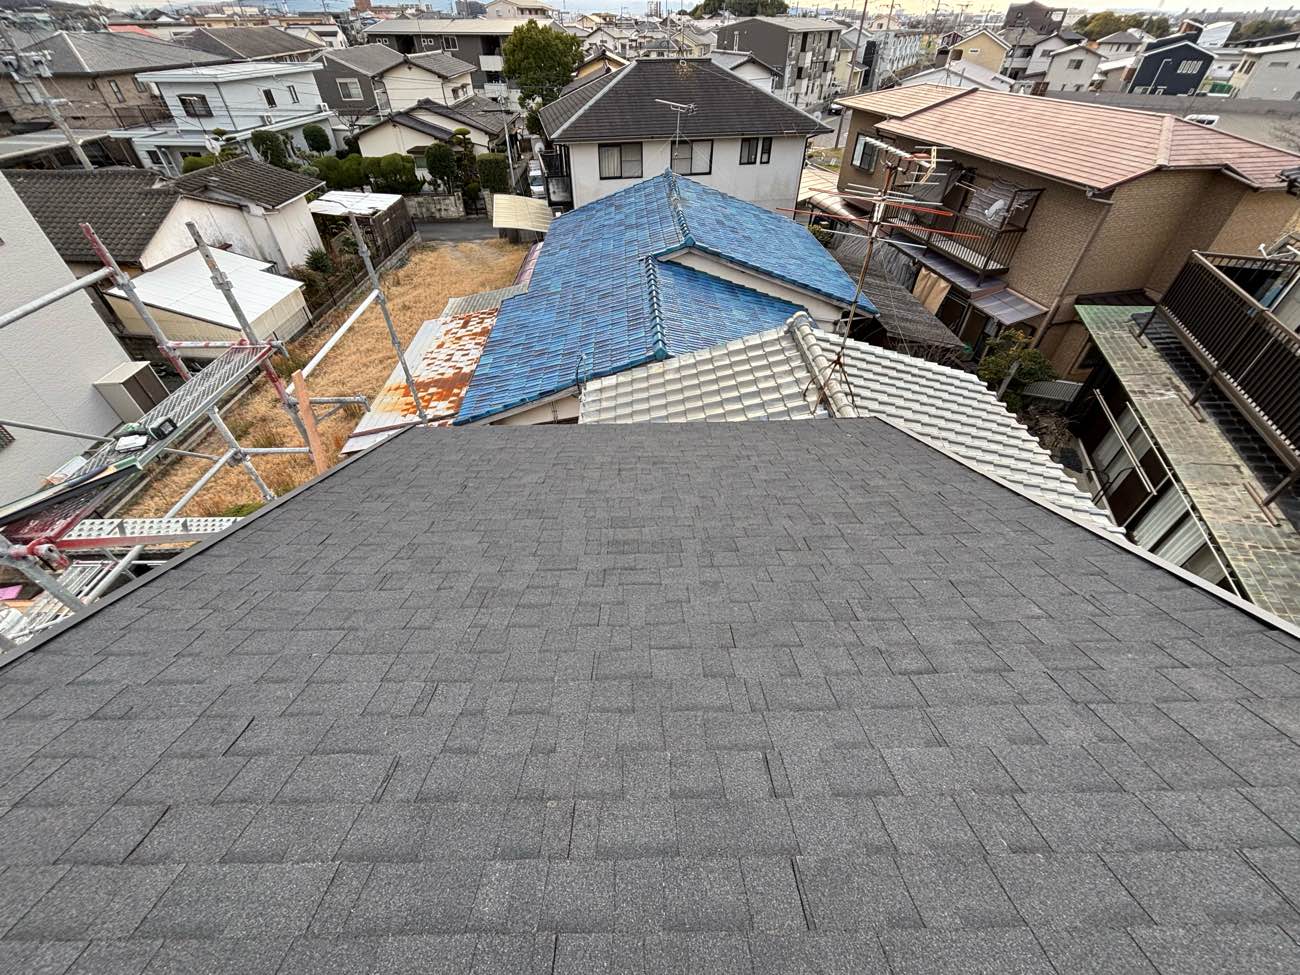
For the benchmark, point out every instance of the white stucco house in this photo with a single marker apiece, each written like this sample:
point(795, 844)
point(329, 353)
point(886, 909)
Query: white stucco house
point(412, 130)
point(50, 360)
point(239, 98)
point(619, 129)
point(1068, 69)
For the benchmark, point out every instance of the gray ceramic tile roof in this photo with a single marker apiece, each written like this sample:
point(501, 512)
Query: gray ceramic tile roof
point(371, 60)
point(479, 111)
point(101, 52)
point(622, 105)
point(787, 374)
point(124, 206)
point(247, 42)
point(247, 180)
point(442, 64)
point(750, 698)
point(482, 300)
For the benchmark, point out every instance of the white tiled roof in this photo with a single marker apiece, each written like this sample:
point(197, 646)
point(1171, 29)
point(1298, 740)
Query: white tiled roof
point(768, 376)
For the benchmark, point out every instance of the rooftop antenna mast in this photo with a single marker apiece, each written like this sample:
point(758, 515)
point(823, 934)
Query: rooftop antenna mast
point(680, 109)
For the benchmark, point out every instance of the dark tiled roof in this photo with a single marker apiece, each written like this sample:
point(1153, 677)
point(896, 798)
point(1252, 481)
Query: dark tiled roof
point(248, 180)
point(587, 79)
point(624, 106)
point(369, 59)
point(415, 123)
point(441, 64)
point(101, 52)
point(477, 110)
point(728, 698)
point(247, 42)
point(124, 206)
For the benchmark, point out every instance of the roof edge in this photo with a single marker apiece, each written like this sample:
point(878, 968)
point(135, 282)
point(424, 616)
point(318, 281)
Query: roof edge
point(615, 76)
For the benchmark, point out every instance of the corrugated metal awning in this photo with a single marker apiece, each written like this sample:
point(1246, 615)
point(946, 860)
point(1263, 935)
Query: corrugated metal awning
point(1008, 307)
point(521, 213)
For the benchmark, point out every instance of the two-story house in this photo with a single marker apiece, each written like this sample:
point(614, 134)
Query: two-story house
point(476, 41)
point(982, 47)
point(1037, 16)
point(1040, 201)
point(1067, 69)
point(373, 79)
point(96, 75)
point(1120, 44)
point(517, 9)
point(238, 99)
point(1268, 72)
point(692, 116)
point(804, 49)
point(1173, 65)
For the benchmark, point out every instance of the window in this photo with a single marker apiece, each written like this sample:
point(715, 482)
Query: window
point(1193, 66)
point(1075, 64)
point(620, 161)
point(1247, 67)
point(349, 89)
point(1271, 64)
point(269, 97)
point(449, 43)
point(154, 156)
point(139, 85)
point(195, 106)
point(293, 94)
point(864, 154)
point(693, 158)
point(27, 93)
point(116, 89)
point(6, 438)
point(755, 150)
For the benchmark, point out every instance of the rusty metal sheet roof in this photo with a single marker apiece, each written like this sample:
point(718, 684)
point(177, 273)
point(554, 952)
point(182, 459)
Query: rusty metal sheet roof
point(442, 358)
point(1094, 146)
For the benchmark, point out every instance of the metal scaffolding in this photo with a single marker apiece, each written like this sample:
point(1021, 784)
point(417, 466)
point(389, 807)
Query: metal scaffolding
point(38, 533)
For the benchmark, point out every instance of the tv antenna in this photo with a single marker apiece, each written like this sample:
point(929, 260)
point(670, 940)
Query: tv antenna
point(680, 109)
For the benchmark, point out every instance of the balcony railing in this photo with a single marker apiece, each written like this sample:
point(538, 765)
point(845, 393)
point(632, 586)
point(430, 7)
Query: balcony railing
point(1246, 351)
point(970, 242)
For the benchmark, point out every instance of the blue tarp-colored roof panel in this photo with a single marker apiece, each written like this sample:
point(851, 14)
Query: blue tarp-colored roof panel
point(600, 301)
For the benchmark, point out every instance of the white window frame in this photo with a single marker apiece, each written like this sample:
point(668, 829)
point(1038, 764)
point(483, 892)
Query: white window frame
point(859, 159)
point(343, 92)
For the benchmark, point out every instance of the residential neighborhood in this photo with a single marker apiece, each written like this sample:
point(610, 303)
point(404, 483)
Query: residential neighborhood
point(504, 486)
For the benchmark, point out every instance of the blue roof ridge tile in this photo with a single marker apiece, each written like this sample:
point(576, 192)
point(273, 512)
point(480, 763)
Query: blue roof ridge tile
point(679, 214)
point(659, 347)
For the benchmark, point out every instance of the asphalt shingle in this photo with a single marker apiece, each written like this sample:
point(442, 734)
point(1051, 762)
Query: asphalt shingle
point(558, 757)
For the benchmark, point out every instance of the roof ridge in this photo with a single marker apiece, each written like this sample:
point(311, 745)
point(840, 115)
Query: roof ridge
point(76, 53)
point(679, 212)
point(658, 343)
point(820, 366)
point(614, 78)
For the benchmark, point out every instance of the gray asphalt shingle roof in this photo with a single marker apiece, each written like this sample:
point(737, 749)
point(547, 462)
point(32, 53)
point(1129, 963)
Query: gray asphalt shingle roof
point(248, 180)
point(124, 206)
point(248, 42)
point(100, 52)
point(729, 698)
point(623, 105)
point(370, 59)
point(441, 64)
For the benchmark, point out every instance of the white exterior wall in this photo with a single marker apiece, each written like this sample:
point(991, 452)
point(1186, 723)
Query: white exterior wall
point(406, 84)
point(773, 185)
point(756, 75)
point(1059, 77)
point(239, 104)
point(1039, 61)
point(48, 360)
point(391, 137)
point(282, 237)
point(294, 231)
point(1274, 76)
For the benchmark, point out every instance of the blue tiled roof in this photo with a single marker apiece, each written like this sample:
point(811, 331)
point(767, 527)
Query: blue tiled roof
point(603, 299)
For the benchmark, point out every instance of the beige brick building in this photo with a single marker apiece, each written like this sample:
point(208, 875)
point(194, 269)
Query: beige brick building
point(1049, 203)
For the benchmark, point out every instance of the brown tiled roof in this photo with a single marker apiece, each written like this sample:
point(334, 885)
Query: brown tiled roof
point(1088, 145)
point(897, 102)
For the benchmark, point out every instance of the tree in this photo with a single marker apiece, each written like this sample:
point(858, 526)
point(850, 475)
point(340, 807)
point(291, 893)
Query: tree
point(1011, 350)
point(190, 163)
point(394, 173)
point(540, 61)
point(341, 174)
point(463, 149)
point(1260, 27)
point(270, 146)
point(740, 8)
point(1098, 25)
point(494, 172)
point(317, 138)
point(440, 162)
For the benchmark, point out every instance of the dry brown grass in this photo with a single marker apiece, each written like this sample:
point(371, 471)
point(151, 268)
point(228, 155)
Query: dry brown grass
point(358, 365)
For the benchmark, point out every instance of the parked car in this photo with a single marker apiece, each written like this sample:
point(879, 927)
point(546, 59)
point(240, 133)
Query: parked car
point(537, 184)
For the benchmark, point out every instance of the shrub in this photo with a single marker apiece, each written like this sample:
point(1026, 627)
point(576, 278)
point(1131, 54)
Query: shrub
point(494, 172)
point(190, 163)
point(270, 146)
point(319, 261)
point(440, 161)
point(394, 173)
point(824, 236)
point(1009, 348)
point(342, 174)
point(317, 138)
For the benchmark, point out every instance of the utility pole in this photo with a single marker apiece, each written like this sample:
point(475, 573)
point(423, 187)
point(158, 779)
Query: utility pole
point(28, 69)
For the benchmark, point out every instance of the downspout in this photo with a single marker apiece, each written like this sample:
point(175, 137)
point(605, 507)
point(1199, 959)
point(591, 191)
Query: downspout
point(1048, 324)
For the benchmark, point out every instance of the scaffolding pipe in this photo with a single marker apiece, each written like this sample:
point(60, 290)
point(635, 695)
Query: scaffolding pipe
point(342, 330)
point(94, 438)
point(28, 567)
point(58, 294)
point(364, 252)
point(126, 560)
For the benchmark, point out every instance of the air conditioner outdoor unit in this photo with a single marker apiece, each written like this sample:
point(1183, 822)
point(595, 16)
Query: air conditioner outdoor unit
point(268, 119)
point(132, 390)
point(322, 106)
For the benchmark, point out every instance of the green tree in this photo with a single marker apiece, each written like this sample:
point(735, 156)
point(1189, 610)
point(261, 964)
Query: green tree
point(317, 138)
point(394, 173)
point(463, 149)
point(270, 146)
point(540, 61)
point(440, 162)
point(190, 163)
point(319, 261)
point(1260, 27)
point(740, 8)
point(1003, 354)
point(494, 172)
point(341, 174)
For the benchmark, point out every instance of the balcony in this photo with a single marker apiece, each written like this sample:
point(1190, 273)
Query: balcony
point(1224, 309)
point(980, 225)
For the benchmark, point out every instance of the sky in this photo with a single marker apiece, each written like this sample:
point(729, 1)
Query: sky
point(874, 7)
